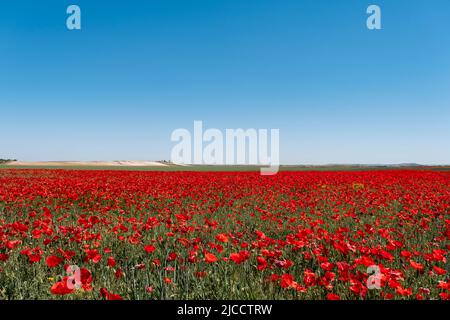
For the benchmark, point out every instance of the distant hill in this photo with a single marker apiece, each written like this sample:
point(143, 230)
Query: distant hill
point(362, 165)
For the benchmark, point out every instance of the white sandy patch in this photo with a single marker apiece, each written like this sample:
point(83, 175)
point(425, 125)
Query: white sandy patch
point(89, 163)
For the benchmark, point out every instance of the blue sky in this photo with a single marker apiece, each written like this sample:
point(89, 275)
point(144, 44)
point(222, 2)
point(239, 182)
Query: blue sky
point(338, 92)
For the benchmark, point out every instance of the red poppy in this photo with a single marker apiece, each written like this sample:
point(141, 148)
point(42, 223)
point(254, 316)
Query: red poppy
point(119, 273)
point(274, 278)
point(53, 261)
point(149, 248)
point(12, 244)
point(108, 295)
point(222, 237)
point(157, 262)
point(284, 263)
point(111, 262)
point(444, 285)
point(415, 265)
point(201, 274)
point(61, 287)
point(93, 255)
point(168, 280)
point(309, 278)
point(439, 271)
point(287, 280)
point(172, 256)
point(86, 279)
point(210, 258)
point(332, 296)
point(240, 257)
point(262, 263)
point(33, 258)
point(327, 266)
point(404, 292)
point(140, 266)
point(444, 295)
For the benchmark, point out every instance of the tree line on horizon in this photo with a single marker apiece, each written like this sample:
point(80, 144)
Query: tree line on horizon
point(6, 160)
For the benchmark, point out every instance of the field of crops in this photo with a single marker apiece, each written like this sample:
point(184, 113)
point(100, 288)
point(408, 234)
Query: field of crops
point(73, 234)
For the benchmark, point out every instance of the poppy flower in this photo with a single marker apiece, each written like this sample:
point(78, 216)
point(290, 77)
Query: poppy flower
point(108, 295)
point(327, 266)
point(149, 248)
point(240, 257)
point(12, 244)
point(274, 278)
point(53, 261)
point(284, 263)
point(140, 266)
point(86, 279)
point(33, 258)
point(415, 265)
point(156, 262)
point(111, 262)
point(172, 256)
point(332, 296)
point(119, 273)
point(439, 271)
point(287, 280)
point(444, 295)
point(403, 291)
point(406, 254)
point(61, 288)
point(309, 278)
point(222, 237)
point(444, 285)
point(93, 255)
point(425, 290)
point(201, 274)
point(210, 258)
point(262, 263)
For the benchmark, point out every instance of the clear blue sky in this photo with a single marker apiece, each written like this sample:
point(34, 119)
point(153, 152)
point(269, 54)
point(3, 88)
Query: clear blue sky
point(137, 70)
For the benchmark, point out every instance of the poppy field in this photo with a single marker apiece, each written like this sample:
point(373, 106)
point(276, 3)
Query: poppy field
point(98, 234)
